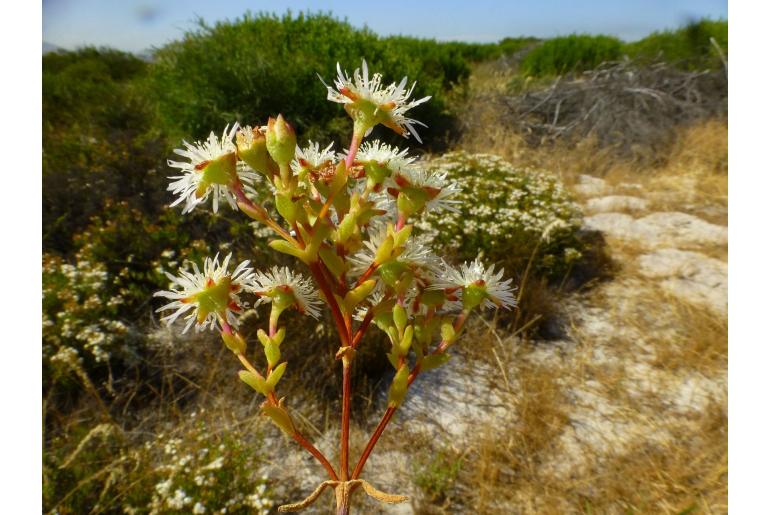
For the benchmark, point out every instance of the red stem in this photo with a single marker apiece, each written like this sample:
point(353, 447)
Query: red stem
point(459, 322)
point(373, 441)
point(339, 319)
point(345, 437)
point(401, 222)
point(354, 143)
point(241, 196)
point(369, 271)
point(362, 328)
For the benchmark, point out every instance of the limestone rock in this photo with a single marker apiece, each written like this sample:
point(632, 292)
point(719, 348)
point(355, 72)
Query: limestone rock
point(616, 203)
point(591, 186)
point(670, 229)
point(691, 276)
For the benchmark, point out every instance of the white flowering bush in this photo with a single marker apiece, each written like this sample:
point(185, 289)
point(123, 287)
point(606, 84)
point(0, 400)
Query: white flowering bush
point(93, 299)
point(201, 473)
point(347, 219)
point(80, 323)
point(504, 212)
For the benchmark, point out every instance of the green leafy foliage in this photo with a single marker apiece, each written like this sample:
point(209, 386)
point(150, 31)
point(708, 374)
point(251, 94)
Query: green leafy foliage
point(99, 140)
point(689, 47)
point(511, 46)
point(244, 69)
point(573, 53)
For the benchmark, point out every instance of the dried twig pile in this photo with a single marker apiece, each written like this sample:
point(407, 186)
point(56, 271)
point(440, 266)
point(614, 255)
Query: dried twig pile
point(633, 109)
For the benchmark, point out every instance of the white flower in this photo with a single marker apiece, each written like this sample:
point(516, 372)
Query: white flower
point(212, 168)
point(384, 155)
point(279, 281)
point(179, 501)
point(312, 157)
point(390, 102)
point(207, 295)
point(435, 183)
point(199, 508)
point(416, 253)
point(473, 278)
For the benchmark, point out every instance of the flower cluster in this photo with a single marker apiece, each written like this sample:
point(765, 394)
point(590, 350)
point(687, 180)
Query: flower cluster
point(78, 314)
point(349, 218)
point(211, 297)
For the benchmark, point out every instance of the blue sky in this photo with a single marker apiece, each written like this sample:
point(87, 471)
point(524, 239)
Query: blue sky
point(138, 25)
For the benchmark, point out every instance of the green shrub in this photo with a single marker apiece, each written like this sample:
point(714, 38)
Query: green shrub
point(689, 47)
point(242, 70)
point(99, 141)
point(574, 53)
point(506, 212)
point(509, 46)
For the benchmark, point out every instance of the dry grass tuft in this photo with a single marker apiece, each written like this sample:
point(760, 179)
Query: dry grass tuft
point(687, 476)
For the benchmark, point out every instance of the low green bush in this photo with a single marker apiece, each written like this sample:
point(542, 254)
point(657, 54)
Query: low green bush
point(573, 53)
point(689, 47)
point(506, 213)
point(242, 69)
point(99, 141)
point(510, 46)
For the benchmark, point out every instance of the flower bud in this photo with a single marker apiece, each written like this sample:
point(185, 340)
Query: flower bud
point(252, 149)
point(281, 140)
